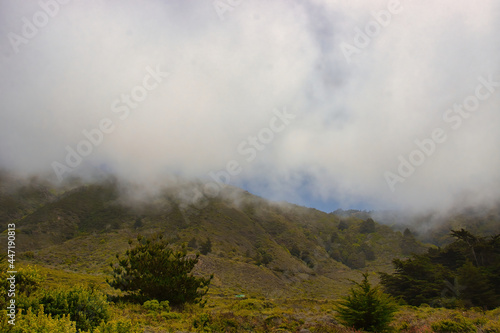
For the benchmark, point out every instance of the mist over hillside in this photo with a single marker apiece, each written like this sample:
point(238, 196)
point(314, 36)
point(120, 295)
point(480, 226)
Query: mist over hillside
point(294, 250)
point(21, 195)
point(295, 101)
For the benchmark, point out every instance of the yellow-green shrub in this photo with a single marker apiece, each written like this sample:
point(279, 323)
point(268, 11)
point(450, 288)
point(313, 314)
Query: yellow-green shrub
point(37, 323)
point(154, 305)
point(492, 327)
point(450, 326)
point(117, 327)
point(88, 307)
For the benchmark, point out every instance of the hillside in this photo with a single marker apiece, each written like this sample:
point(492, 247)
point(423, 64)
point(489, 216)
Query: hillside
point(257, 247)
point(277, 267)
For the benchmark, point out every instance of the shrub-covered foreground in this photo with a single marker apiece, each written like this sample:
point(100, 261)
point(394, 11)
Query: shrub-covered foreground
point(251, 315)
point(87, 309)
point(80, 308)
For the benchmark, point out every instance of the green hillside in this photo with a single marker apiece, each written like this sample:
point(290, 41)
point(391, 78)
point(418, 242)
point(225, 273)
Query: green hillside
point(291, 263)
point(257, 247)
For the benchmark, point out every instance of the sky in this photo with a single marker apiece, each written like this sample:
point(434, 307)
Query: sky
point(330, 104)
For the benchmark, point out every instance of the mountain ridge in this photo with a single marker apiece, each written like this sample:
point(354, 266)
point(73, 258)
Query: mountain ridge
point(257, 246)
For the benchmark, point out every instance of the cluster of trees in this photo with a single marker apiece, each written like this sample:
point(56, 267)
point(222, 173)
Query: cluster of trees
point(305, 256)
point(464, 273)
point(351, 248)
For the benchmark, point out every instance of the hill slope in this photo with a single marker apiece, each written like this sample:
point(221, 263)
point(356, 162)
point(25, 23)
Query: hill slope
point(257, 247)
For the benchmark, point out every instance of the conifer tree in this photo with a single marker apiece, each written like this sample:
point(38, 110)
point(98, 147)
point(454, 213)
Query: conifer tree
point(366, 307)
point(153, 270)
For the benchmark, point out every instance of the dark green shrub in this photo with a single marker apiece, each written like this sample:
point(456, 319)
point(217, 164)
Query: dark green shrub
point(295, 251)
point(193, 243)
point(305, 257)
point(367, 227)
point(343, 225)
point(206, 247)
point(262, 257)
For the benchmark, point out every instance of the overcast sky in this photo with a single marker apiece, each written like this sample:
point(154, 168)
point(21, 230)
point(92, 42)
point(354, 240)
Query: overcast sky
point(322, 103)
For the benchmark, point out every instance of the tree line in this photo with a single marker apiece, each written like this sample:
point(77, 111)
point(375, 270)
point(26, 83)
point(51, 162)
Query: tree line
point(465, 273)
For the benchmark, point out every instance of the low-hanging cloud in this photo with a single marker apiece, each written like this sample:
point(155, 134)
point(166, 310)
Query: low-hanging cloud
point(228, 77)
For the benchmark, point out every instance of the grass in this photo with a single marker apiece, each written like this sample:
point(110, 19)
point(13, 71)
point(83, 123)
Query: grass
point(222, 314)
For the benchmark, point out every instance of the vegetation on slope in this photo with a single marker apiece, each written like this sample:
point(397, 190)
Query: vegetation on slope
point(291, 263)
point(463, 273)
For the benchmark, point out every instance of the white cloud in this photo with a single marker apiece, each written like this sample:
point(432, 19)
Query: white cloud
point(353, 120)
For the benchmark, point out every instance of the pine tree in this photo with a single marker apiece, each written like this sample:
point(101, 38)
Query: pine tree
point(366, 308)
point(153, 270)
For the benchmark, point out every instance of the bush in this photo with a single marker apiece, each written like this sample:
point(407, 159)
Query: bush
point(165, 306)
point(39, 323)
point(117, 327)
point(201, 322)
point(170, 315)
point(222, 322)
point(206, 247)
point(252, 304)
point(154, 305)
point(366, 308)
point(152, 270)
point(28, 280)
point(86, 306)
point(450, 326)
point(492, 327)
